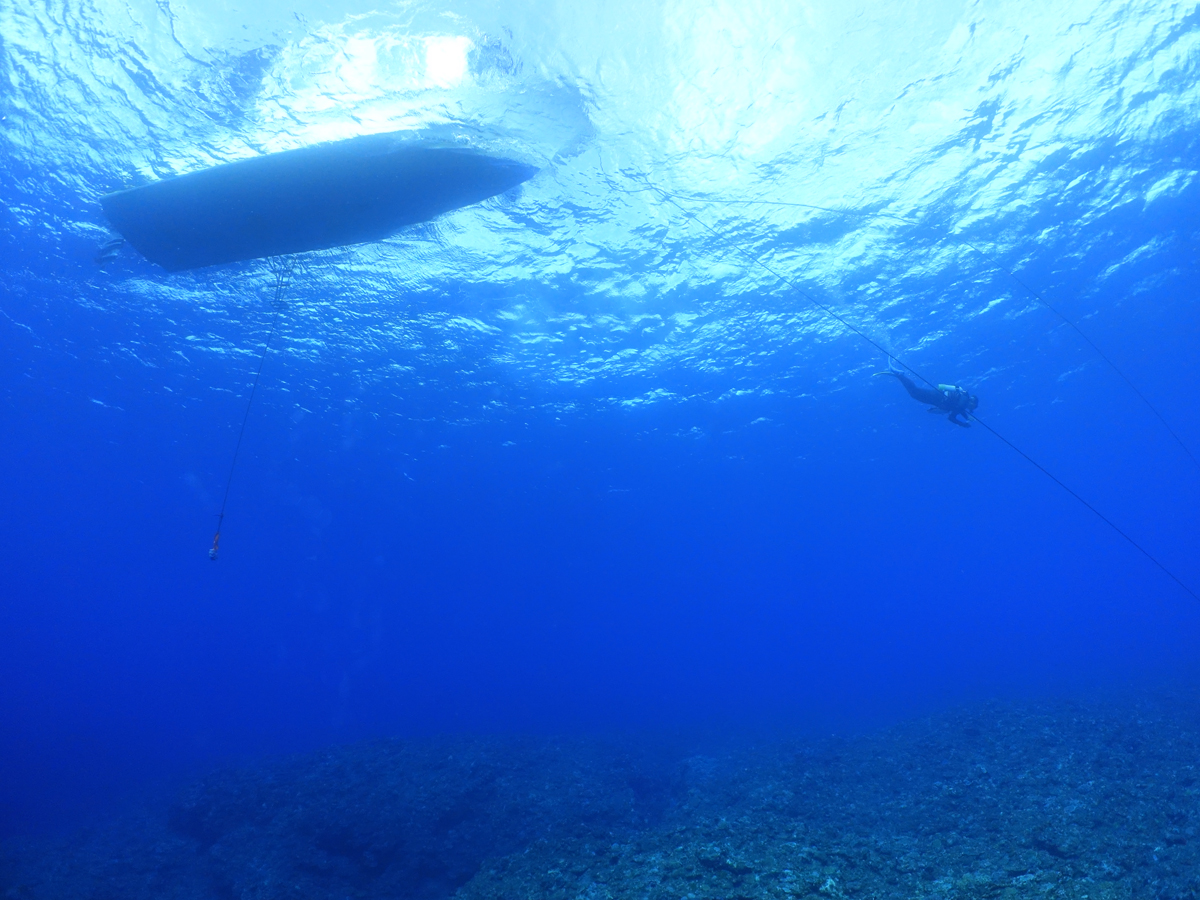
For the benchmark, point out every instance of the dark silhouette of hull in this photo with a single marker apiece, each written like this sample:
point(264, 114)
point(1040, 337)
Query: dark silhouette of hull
point(329, 195)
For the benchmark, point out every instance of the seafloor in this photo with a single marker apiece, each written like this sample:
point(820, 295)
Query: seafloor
point(1049, 800)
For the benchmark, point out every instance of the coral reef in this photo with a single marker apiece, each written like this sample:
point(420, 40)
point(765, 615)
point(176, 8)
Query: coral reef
point(997, 801)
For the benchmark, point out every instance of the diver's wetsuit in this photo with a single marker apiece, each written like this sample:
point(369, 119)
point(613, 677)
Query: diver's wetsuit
point(948, 398)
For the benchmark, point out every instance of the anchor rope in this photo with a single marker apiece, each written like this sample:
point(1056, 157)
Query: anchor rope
point(994, 262)
point(282, 269)
point(890, 355)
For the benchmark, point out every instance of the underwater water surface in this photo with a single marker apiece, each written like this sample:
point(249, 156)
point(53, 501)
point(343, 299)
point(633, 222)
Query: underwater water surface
point(601, 455)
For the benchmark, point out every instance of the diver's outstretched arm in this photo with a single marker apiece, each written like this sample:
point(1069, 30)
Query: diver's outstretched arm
point(953, 417)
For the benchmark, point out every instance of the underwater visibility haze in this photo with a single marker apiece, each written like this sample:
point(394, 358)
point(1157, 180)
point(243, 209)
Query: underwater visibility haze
point(605, 452)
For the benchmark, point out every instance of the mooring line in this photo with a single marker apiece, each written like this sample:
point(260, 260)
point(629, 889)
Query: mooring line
point(992, 260)
point(1105, 519)
point(282, 270)
point(829, 312)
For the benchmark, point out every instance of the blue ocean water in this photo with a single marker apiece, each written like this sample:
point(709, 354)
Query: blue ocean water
point(573, 460)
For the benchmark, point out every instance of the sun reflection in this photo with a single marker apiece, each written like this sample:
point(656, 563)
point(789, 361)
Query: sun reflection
point(446, 60)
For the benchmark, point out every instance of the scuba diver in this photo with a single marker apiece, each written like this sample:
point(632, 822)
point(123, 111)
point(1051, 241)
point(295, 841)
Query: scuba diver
point(948, 398)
